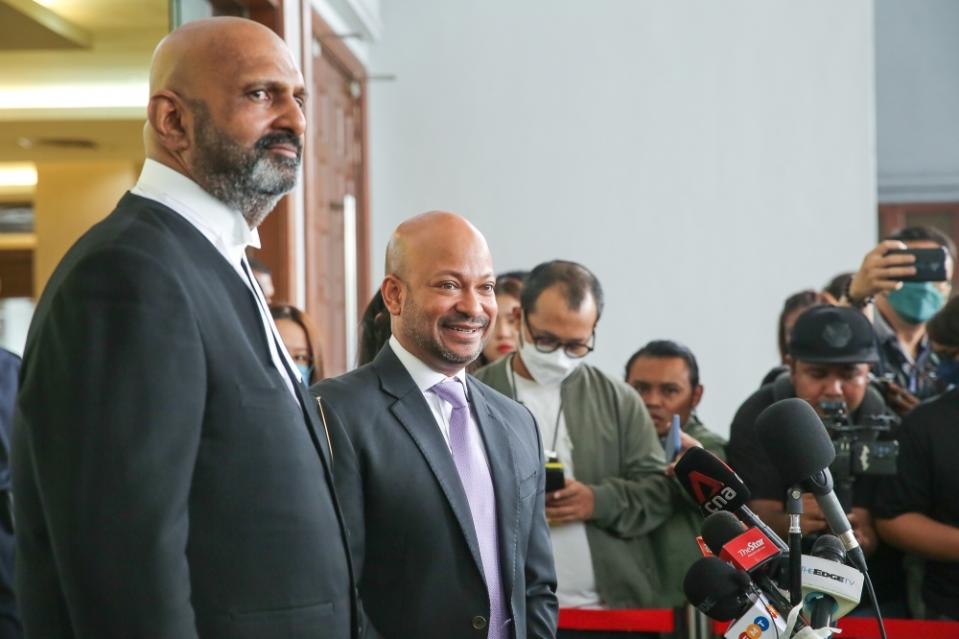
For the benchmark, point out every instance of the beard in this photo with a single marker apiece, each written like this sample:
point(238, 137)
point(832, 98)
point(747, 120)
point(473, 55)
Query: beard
point(418, 328)
point(249, 180)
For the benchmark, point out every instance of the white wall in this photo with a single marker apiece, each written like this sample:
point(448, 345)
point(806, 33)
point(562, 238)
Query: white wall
point(917, 100)
point(704, 159)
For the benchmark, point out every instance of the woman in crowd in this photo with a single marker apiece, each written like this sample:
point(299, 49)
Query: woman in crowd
point(836, 287)
point(300, 338)
point(503, 337)
point(374, 329)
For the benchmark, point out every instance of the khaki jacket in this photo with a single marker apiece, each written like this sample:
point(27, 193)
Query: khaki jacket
point(617, 453)
point(675, 540)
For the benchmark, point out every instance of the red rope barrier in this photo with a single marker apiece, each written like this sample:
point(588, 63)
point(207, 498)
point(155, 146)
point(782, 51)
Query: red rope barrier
point(661, 620)
point(625, 620)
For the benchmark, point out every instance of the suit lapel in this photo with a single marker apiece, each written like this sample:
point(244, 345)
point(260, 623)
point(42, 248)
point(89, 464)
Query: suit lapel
point(315, 424)
point(415, 416)
point(499, 453)
point(247, 308)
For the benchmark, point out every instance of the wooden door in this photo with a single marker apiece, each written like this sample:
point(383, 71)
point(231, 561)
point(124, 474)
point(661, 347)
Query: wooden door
point(336, 211)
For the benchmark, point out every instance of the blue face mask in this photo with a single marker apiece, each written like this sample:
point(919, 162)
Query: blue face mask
point(916, 302)
point(948, 370)
point(306, 371)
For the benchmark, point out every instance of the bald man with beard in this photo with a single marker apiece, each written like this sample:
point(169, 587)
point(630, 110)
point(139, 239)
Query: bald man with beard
point(442, 478)
point(171, 475)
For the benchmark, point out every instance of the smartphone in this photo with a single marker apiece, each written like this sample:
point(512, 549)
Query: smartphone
point(555, 474)
point(930, 264)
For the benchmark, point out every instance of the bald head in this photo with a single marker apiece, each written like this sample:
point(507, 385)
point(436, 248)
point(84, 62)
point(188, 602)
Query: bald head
point(439, 289)
point(419, 238)
point(198, 52)
point(226, 110)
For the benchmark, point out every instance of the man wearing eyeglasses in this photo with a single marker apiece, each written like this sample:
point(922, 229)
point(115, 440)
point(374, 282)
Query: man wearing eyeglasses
point(615, 491)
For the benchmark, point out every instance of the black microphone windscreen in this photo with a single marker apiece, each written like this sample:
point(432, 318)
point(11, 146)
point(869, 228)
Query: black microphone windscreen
point(829, 547)
point(717, 589)
point(795, 439)
point(710, 482)
point(720, 528)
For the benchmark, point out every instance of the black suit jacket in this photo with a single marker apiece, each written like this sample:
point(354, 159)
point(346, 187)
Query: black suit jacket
point(166, 482)
point(9, 619)
point(415, 545)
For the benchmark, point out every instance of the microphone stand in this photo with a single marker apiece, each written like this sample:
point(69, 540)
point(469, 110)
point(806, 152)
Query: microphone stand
point(794, 510)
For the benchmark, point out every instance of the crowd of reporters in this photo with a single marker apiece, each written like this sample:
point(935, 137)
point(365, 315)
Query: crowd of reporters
point(877, 357)
point(874, 356)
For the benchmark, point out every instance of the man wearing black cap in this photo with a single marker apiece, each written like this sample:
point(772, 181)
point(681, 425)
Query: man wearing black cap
point(830, 352)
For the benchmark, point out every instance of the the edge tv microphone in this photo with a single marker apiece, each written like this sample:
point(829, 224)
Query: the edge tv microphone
point(715, 487)
point(796, 440)
point(726, 594)
point(831, 589)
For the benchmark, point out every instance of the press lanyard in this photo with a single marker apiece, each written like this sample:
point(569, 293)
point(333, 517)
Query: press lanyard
point(559, 413)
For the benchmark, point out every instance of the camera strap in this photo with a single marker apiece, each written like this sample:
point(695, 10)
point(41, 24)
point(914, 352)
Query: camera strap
point(559, 413)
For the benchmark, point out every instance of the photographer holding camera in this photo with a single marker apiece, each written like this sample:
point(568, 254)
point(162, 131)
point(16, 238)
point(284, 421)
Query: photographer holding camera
point(900, 294)
point(830, 352)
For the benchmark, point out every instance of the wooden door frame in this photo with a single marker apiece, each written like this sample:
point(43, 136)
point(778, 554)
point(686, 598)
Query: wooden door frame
point(314, 26)
point(892, 216)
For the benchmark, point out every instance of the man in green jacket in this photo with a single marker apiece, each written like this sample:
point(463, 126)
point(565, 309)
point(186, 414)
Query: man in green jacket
point(616, 492)
point(666, 375)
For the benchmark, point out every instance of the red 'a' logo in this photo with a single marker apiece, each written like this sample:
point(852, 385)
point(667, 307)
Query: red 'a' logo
point(699, 481)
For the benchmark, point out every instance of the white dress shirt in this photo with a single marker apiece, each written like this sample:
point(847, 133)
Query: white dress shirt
point(227, 231)
point(426, 378)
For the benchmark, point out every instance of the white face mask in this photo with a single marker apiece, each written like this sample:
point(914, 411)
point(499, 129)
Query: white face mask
point(547, 369)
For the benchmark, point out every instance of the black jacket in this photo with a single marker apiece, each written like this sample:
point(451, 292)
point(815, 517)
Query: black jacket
point(421, 575)
point(166, 482)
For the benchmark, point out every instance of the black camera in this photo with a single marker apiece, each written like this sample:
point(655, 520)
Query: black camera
point(859, 449)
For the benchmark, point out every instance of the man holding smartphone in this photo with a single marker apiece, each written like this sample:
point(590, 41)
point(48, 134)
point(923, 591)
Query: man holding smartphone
point(901, 284)
point(666, 375)
point(616, 492)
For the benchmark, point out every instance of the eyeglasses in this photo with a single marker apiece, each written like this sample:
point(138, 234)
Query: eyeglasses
point(549, 344)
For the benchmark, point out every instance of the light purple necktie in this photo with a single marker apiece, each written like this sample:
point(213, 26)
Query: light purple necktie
point(475, 476)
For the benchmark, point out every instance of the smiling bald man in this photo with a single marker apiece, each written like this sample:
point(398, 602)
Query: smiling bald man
point(171, 475)
point(441, 477)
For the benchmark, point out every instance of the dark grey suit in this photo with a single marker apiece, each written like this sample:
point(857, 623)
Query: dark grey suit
point(167, 484)
point(415, 543)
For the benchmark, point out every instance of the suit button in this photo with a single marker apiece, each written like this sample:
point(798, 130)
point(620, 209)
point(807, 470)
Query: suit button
point(479, 622)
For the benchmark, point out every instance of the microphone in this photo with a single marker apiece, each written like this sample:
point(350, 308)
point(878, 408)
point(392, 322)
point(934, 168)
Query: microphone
point(831, 589)
point(746, 549)
point(717, 589)
point(797, 442)
point(727, 594)
point(715, 487)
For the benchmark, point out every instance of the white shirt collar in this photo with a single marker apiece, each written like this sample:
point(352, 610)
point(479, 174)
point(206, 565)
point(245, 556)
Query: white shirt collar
point(423, 376)
point(224, 227)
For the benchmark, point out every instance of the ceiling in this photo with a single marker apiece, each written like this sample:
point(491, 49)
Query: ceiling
point(83, 95)
point(24, 24)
